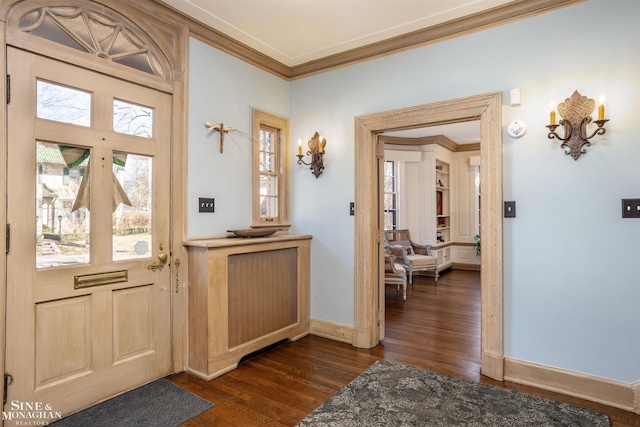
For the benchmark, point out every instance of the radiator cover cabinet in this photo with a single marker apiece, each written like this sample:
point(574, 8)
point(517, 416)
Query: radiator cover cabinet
point(244, 295)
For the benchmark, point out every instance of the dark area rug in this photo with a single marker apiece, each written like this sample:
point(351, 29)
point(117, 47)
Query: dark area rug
point(158, 404)
point(391, 394)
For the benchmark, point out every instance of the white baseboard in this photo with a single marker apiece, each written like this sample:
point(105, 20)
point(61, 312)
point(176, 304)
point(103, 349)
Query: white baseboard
point(608, 392)
point(331, 330)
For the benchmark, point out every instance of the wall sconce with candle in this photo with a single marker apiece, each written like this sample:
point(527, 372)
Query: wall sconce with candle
point(316, 151)
point(575, 113)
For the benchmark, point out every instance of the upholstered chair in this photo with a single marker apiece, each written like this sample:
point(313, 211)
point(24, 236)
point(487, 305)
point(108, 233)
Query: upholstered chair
point(395, 274)
point(412, 256)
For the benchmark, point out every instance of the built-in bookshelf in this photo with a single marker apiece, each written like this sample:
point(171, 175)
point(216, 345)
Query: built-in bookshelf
point(442, 247)
point(443, 214)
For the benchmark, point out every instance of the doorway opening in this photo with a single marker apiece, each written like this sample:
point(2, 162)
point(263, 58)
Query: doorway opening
point(369, 246)
point(431, 188)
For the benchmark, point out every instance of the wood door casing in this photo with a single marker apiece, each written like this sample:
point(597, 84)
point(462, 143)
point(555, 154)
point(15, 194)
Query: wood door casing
point(70, 347)
point(380, 248)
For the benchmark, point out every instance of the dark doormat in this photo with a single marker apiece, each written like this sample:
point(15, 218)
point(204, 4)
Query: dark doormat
point(158, 404)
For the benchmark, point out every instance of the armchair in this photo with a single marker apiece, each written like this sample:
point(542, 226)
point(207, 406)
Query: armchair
point(395, 274)
point(412, 256)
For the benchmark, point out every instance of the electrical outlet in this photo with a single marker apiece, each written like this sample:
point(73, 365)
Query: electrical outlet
point(630, 208)
point(352, 209)
point(206, 205)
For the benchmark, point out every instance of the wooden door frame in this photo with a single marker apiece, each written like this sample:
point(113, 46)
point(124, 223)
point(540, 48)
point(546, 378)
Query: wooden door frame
point(488, 109)
point(380, 305)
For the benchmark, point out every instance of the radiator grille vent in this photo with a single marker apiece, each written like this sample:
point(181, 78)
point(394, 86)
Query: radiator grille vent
point(262, 293)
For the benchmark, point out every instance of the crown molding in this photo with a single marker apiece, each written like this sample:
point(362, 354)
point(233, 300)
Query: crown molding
point(518, 9)
point(510, 12)
point(440, 140)
point(222, 41)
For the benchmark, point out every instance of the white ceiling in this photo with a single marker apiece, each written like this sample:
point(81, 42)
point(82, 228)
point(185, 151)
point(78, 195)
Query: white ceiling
point(295, 32)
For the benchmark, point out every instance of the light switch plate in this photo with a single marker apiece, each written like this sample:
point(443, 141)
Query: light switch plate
point(206, 205)
point(510, 209)
point(630, 208)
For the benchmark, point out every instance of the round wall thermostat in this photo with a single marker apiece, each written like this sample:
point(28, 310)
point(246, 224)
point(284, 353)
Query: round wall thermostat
point(516, 129)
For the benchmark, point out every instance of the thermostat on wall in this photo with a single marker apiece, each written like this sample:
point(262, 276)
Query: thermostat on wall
point(516, 129)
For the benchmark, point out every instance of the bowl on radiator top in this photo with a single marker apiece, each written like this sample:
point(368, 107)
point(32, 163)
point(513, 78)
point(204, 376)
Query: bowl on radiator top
point(253, 232)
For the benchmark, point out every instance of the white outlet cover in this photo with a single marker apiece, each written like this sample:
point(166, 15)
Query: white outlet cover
point(516, 129)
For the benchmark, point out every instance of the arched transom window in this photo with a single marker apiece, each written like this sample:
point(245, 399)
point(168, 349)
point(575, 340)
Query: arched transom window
point(94, 33)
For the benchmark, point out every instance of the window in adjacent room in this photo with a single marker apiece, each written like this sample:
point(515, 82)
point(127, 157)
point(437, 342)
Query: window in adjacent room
point(390, 195)
point(270, 170)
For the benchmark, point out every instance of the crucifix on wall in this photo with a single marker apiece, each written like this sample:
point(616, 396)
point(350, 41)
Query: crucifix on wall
point(223, 130)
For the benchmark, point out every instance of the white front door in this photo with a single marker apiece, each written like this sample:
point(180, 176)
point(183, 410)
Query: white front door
point(88, 276)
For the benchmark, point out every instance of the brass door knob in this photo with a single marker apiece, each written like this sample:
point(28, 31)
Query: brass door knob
point(163, 258)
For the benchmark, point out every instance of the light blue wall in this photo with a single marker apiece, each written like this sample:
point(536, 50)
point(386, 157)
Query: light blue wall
point(571, 264)
point(224, 89)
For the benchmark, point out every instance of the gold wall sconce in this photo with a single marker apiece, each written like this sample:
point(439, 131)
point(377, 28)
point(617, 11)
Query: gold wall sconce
point(575, 113)
point(316, 151)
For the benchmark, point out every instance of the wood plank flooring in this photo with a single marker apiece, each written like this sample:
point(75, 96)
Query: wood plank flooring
point(437, 328)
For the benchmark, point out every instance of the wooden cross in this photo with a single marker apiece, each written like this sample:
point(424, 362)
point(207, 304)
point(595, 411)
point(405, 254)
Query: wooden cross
point(219, 128)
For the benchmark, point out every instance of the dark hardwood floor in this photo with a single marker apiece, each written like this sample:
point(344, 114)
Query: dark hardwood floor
point(437, 328)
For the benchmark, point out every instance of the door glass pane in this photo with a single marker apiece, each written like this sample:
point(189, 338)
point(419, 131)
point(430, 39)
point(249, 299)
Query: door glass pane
point(132, 119)
point(63, 104)
point(62, 205)
point(132, 206)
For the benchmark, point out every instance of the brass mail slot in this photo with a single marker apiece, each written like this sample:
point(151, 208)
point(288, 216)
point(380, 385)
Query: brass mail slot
point(97, 279)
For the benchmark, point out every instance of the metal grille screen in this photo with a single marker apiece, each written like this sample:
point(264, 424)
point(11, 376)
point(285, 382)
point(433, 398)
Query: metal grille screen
point(262, 293)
